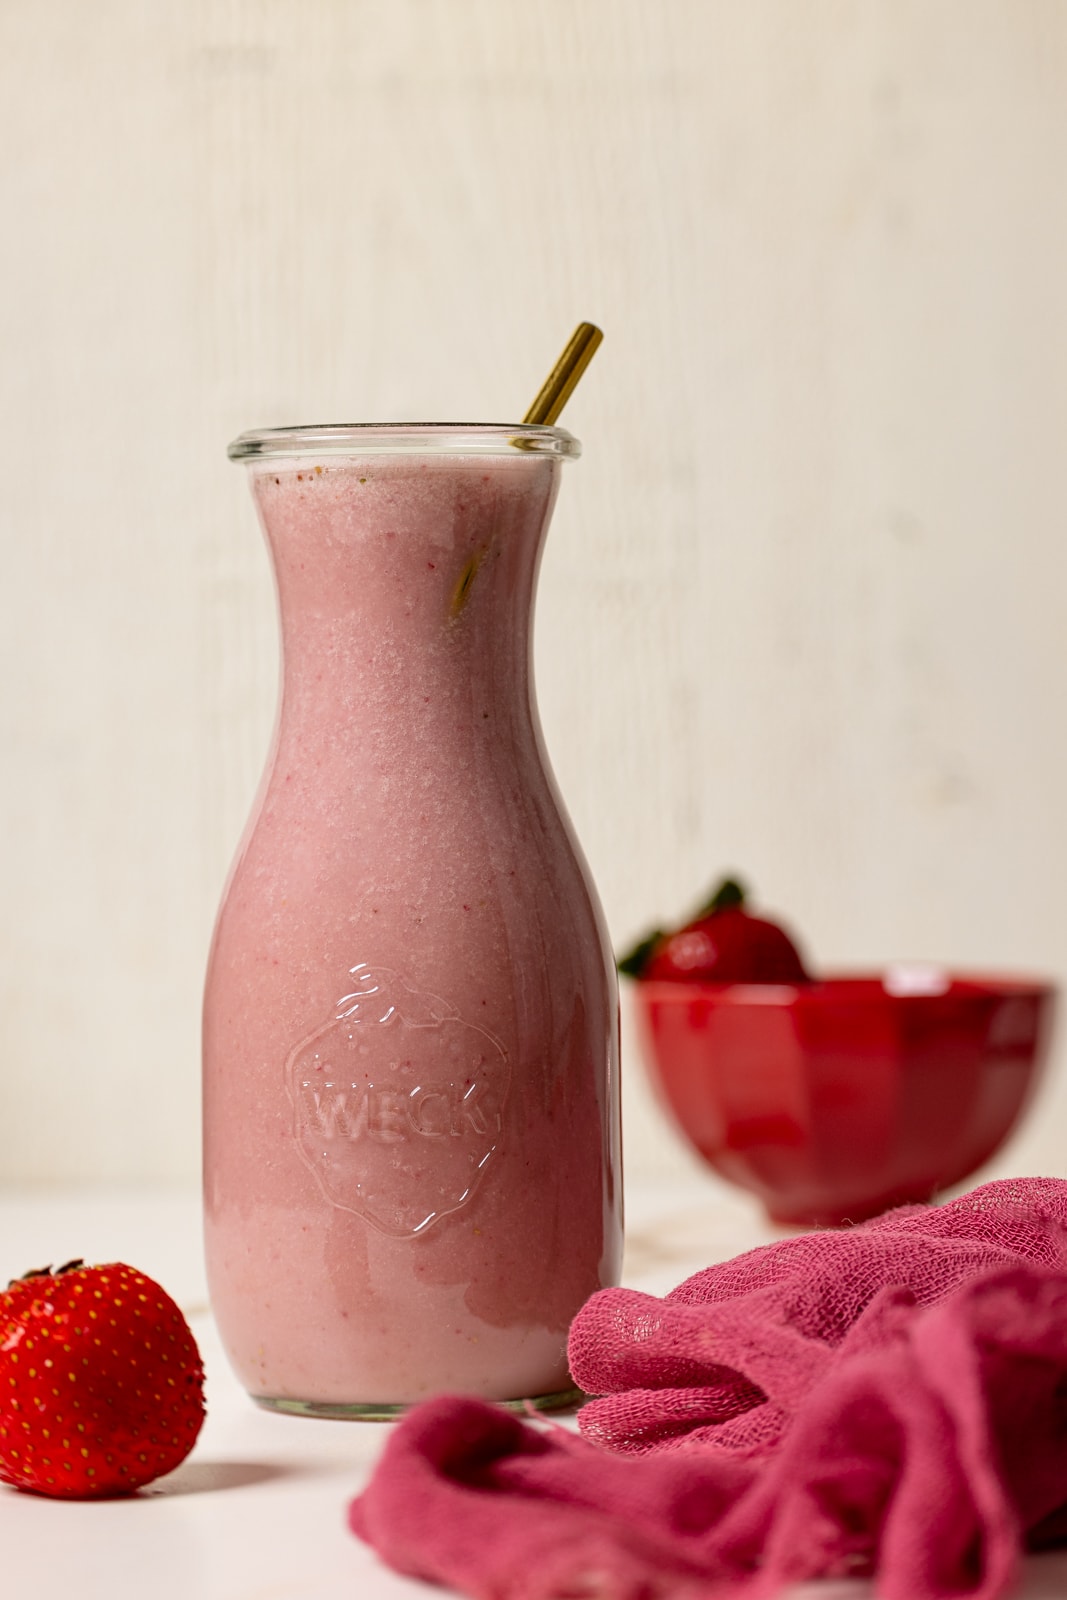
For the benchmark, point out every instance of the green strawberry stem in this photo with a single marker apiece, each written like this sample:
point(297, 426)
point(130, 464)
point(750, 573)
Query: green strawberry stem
point(48, 1272)
point(634, 962)
point(730, 893)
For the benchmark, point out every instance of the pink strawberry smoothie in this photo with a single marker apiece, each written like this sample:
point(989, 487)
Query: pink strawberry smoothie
point(410, 1045)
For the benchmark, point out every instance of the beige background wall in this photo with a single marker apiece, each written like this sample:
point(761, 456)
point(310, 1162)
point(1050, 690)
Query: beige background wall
point(804, 607)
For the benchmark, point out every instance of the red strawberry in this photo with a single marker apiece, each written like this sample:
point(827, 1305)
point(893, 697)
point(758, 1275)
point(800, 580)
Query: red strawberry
point(101, 1383)
point(723, 943)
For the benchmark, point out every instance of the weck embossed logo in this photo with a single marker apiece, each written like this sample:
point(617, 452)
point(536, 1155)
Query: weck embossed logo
point(398, 1102)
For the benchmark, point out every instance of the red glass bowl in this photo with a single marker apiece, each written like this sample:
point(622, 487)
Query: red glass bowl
point(834, 1100)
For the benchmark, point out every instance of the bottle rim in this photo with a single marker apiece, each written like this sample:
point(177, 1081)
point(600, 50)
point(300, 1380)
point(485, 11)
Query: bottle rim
point(405, 438)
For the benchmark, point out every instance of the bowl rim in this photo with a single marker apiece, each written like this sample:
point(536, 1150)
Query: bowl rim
point(848, 985)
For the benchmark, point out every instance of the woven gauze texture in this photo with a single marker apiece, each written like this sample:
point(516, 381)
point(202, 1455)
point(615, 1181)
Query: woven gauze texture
point(730, 1354)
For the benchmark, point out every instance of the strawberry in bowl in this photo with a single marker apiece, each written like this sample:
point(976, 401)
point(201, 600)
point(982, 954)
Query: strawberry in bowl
point(723, 943)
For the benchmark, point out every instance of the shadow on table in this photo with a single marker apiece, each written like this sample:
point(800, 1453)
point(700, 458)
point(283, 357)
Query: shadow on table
point(209, 1477)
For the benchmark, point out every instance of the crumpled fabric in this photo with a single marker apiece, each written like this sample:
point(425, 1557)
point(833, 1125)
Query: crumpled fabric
point(886, 1400)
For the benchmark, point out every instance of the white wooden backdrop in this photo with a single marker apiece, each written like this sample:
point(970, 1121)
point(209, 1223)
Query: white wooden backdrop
point(804, 609)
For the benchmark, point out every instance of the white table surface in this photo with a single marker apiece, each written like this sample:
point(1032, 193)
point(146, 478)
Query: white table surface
point(257, 1512)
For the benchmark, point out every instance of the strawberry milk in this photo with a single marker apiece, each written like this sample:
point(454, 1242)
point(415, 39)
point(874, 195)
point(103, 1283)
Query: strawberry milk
point(410, 1050)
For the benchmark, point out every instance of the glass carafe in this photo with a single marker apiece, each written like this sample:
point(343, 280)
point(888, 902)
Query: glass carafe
point(411, 1127)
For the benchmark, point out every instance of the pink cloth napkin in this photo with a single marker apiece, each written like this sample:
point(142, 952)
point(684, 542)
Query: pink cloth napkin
point(890, 1399)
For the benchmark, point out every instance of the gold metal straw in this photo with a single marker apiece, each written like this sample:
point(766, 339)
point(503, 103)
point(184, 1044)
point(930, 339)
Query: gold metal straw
point(559, 384)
